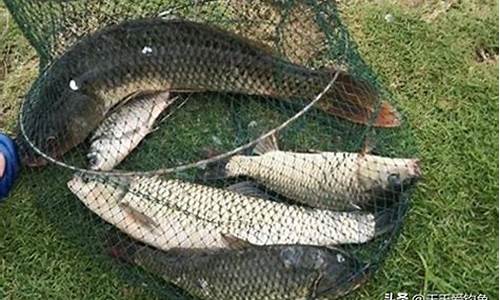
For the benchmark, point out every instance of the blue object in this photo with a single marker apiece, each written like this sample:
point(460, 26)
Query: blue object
point(12, 165)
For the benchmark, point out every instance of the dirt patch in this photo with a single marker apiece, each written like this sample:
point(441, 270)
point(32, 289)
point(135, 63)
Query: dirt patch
point(486, 54)
point(429, 10)
point(439, 9)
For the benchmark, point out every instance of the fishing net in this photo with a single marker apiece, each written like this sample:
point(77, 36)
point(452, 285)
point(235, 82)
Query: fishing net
point(215, 149)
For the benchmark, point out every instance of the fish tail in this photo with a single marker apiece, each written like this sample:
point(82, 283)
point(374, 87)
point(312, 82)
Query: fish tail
point(357, 101)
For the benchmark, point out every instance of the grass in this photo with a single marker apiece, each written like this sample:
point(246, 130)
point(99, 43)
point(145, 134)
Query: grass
point(440, 65)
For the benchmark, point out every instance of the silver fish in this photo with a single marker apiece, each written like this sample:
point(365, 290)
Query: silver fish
point(170, 214)
point(122, 131)
point(330, 180)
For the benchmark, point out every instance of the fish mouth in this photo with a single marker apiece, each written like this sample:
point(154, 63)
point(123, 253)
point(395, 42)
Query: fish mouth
point(415, 175)
point(417, 169)
point(398, 184)
point(73, 182)
point(28, 156)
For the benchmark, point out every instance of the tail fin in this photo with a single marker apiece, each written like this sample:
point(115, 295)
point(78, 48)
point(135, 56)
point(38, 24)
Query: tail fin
point(387, 116)
point(357, 102)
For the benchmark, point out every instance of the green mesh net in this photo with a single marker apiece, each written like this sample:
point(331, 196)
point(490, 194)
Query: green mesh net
point(215, 149)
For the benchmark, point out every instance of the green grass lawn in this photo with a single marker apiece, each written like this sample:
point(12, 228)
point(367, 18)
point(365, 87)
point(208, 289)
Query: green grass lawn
point(441, 64)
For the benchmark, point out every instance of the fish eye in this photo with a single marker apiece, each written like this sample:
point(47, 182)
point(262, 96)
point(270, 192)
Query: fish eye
point(92, 158)
point(85, 178)
point(51, 142)
point(394, 180)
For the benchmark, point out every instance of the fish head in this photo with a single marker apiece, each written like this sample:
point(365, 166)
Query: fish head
point(57, 126)
point(98, 161)
point(97, 190)
point(376, 173)
point(333, 264)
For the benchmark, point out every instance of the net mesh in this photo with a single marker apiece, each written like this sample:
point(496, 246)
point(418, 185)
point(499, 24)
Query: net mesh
point(215, 149)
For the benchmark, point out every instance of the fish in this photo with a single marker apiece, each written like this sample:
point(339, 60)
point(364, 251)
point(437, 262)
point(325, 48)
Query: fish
point(109, 198)
point(172, 213)
point(327, 180)
point(76, 92)
point(251, 272)
point(122, 131)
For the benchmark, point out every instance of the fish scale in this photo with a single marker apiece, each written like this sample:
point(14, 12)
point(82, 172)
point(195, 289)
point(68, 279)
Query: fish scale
point(162, 220)
point(259, 221)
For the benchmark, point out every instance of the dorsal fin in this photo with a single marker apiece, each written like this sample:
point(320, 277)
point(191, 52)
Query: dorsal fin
point(266, 145)
point(229, 34)
point(248, 188)
point(368, 146)
point(235, 243)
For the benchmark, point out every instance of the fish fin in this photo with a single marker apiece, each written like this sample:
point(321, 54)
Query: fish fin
point(234, 242)
point(209, 152)
point(166, 96)
point(385, 221)
point(168, 101)
point(237, 37)
point(215, 170)
point(368, 147)
point(171, 112)
point(268, 144)
point(101, 132)
point(356, 100)
point(387, 116)
point(187, 90)
point(138, 216)
point(314, 151)
point(154, 129)
point(354, 206)
point(248, 188)
point(169, 15)
point(122, 248)
point(130, 97)
point(265, 48)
